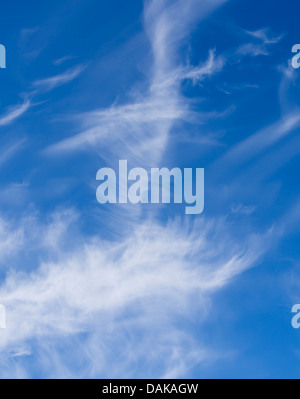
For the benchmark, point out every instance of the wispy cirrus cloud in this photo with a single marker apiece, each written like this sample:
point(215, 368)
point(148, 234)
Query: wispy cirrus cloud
point(264, 39)
point(265, 140)
point(260, 141)
point(8, 152)
point(210, 67)
point(265, 35)
point(14, 113)
point(142, 128)
point(64, 59)
point(42, 85)
point(252, 49)
point(53, 82)
point(141, 284)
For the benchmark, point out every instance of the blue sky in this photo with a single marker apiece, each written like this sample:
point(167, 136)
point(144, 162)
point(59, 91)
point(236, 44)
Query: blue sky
point(109, 291)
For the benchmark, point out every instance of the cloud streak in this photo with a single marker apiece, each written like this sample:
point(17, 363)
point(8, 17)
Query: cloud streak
point(53, 82)
point(14, 113)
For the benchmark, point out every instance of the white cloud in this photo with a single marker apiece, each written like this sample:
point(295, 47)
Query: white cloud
point(53, 82)
point(142, 128)
point(264, 38)
point(64, 59)
point(265, 35)
point(260, 141)
point(142, 284)
point(252, 49)
point(10, 151)
point(14, 113)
